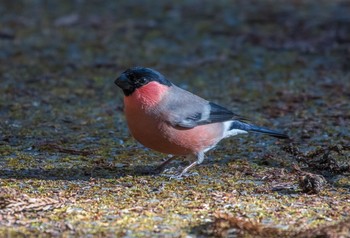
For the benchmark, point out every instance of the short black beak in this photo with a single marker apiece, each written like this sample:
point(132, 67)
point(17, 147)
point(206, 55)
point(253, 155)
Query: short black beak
point(122, 81)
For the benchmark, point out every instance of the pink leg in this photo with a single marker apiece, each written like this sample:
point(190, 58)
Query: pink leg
point(200, 158)
point(188, 168)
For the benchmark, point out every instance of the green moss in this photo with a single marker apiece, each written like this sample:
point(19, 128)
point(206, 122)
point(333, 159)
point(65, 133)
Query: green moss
point(63, 135)
point(6, 150)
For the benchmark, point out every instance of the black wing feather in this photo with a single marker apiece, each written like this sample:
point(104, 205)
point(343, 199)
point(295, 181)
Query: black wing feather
point(221, 114)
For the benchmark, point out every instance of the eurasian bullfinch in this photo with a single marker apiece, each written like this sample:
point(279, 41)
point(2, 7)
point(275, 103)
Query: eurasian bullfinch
point(171, 120)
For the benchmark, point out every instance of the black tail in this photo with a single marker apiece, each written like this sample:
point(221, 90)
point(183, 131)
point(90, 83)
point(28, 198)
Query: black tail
point(248, 127)
point(269, 132)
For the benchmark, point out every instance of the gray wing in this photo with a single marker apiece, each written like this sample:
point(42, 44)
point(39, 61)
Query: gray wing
point(187, 110)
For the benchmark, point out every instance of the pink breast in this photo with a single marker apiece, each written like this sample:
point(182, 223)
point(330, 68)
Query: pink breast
point(160, 136)
point(154, 133)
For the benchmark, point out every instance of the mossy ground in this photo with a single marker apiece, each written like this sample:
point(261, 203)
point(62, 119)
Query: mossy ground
point(69, 167)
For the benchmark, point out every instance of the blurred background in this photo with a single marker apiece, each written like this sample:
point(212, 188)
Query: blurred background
point(282, 64)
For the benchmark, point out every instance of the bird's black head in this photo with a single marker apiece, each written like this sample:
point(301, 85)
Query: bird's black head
point(136, 77)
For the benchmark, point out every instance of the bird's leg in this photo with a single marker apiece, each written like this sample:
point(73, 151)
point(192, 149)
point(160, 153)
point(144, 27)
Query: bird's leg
point(187, 168)
point(200, 158)
point(160, 167)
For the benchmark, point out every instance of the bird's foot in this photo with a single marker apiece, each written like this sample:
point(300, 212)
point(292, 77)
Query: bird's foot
point(182, 176)
point(173, 173)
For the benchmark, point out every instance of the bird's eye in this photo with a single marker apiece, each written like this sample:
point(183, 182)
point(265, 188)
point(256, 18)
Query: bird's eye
point(142, 80)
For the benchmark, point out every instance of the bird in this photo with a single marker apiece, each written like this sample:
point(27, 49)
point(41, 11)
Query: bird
point(174, 121)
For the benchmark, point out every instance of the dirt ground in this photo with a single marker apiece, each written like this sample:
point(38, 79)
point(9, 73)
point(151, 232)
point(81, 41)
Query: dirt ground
point(69, 167)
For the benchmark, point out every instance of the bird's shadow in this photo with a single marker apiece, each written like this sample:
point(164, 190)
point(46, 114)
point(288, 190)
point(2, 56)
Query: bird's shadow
point(78, 173)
